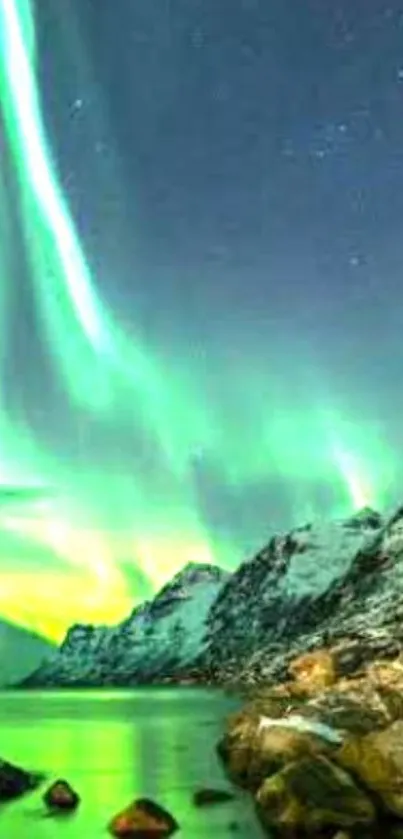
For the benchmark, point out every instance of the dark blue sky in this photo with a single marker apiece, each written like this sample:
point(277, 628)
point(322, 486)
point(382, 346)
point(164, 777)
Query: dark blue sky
point(236, 173)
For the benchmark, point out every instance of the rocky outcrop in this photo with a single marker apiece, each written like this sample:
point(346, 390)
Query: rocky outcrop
point(318, 760)
point(160, 637)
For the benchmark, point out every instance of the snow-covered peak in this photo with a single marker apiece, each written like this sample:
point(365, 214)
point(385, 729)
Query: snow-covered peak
point(191, 575)
point(270, 596)
point(318, 556)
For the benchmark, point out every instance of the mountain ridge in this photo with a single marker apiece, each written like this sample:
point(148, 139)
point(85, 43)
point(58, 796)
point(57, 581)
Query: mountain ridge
point(339, 578)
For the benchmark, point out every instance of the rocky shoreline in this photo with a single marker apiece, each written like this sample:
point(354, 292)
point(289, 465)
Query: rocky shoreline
point(322, 752)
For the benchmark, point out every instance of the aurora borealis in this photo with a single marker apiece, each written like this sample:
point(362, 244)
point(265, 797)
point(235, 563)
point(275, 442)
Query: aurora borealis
point(201, 286)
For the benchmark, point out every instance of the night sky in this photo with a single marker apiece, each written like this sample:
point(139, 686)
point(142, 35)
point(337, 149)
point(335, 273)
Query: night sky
point(201, 286)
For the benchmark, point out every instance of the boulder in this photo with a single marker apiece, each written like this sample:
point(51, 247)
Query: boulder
point(277, 746)
point(356, 707)
point(238, 745)
point(314, 671)
point(15, 781)
point(311, 795)
point(143, 819)
point(61, 796)
point(376, 760)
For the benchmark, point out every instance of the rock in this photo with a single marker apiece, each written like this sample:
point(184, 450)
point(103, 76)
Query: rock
point(274, 748)
point(355, 707)
point(15, 781)
point(376, 759)
point(143, 819)
point(206, 796)
point(61, 796)
point(312, 795)
point(314, 671)
point(236, 748)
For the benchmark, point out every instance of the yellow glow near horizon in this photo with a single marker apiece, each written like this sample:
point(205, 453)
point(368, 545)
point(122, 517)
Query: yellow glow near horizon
point(89, 586)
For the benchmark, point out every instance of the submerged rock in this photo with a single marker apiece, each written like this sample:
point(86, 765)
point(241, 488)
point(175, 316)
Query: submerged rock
point(61, 796)
point(142, 819)
point(205, 796)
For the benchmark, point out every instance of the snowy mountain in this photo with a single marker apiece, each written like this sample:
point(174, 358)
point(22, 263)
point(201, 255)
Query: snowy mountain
point(305, 589)
point(159, 638)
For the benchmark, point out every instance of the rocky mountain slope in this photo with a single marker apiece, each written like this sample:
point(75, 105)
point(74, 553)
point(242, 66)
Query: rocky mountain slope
point(310, 587)
point(158, 639)
point(350, 589)
point(274, 597)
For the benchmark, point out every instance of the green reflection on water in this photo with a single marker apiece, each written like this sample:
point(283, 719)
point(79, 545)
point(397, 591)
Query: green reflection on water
point(115, 746)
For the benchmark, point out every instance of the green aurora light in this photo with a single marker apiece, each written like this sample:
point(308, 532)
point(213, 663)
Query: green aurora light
point(110, 377)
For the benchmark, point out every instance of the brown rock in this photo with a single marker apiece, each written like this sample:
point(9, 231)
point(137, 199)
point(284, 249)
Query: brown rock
point(242, 737)
point(143, 819)
point(208, 795)
point(61, 796)
point(387, 678)
point(386, 673)
point(354, 706)
point(276, 747)
point(237, 746)
point(377, 761)
point(311, 795)
point(314, 671)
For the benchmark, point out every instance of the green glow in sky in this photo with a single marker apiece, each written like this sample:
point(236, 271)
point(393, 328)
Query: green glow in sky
point(249, 429)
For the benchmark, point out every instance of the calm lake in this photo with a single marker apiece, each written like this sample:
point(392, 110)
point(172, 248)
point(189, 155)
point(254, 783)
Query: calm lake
point(113, 746)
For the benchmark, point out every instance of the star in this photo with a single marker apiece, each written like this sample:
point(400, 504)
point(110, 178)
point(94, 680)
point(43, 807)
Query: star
point(355, 261)
point(77, 104)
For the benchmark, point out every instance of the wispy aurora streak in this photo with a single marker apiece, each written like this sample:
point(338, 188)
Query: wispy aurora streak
point(101, 366)
point(262, 435)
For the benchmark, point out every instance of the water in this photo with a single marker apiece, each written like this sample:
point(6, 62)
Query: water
point(116, 746)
